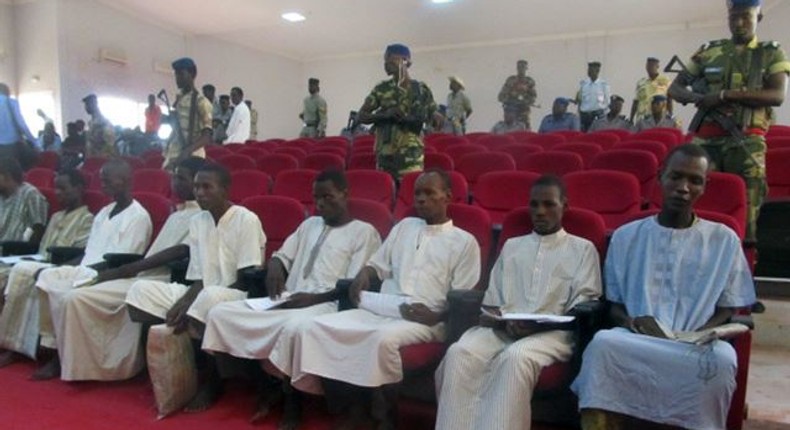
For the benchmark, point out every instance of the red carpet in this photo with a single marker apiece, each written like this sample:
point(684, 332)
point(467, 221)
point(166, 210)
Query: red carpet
point(128, 405)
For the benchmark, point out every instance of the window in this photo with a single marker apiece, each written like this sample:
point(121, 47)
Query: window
point(31, 103)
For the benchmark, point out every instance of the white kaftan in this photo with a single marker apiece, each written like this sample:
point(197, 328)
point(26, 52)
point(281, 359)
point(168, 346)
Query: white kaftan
point(236, 329)
point(486, 379)
point(423, 262)
point(678, 276)
point(96, 338)
point(217, 252)
point(27, 312)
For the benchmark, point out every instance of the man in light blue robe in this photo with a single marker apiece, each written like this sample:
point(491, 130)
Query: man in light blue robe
point(681, 272)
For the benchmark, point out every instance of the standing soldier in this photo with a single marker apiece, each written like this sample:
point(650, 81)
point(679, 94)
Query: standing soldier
point(654, 84)
point(519, 92)
point(459, 107)
point(593, 96)
point(192, 121)
point(398, 108)
point(314, 113)
point(734, 84)
point(101, 133)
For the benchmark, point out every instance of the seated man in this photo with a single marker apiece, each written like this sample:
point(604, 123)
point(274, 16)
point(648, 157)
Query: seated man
point(356, 350)
point(67, 227)
point(613, 120)
point(324, 249)
point(223, 239)
point(487, 377)
point(510, 123)
point(659, 117)
point(111, 349)
point(23, 210)
point(684, 273)
point(122, 226)
point(559, 119)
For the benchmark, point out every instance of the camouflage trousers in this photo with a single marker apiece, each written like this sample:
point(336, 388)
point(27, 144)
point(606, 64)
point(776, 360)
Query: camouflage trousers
point(524, 117)
point(400, 161)
point(745, 158)
point(309, 131)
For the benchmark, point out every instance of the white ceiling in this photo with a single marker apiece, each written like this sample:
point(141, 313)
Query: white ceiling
point(336, 28)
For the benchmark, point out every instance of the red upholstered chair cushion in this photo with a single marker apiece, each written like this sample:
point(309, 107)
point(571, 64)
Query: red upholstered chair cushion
point(421, 355)
point(554, 377)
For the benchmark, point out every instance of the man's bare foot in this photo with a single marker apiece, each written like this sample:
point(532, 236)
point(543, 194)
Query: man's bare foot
point(6, 358)
point(50, 370)
point(264, 404)
point(206, 396)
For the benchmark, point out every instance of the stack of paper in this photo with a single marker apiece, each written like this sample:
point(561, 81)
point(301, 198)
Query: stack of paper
point(265, 303)
point(386, 305)
point(521, 316)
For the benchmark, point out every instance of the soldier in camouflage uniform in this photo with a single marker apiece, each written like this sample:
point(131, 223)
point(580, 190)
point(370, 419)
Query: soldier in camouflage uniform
point(519, 92)
point(101, 133)
point(743, 79)
point(314, 112)
point(193, 115)
point(398, 108)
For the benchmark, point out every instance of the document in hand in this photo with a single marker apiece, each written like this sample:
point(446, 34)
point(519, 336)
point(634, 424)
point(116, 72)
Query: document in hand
point(386, 305)
point(539, 318)
point(265, 303)
point(725, 331)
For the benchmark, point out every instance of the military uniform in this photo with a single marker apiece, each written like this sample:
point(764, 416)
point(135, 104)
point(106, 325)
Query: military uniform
point(520, 94)
point(618, 123)
point(646, 88)
point(314, 116)
point(101, 138)
point(253, 124)
point(504, 128)
point(723, 67)
point(648, 122)
point(199, 117)
point(458, 104)
point(399, 148)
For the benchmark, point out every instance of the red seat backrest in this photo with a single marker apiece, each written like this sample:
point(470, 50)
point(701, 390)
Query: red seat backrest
point(48, 160)
point(216, 151)
point(778, 142)
point(40, 177)
point(557, 163)
point(438, 160)
point(586, 150)
point(604, 139)
point(237, 162)
point(477, 222)
point(52, 199)
point(456, 152)
point(778, 170)
point(642, 164)
point(95, 200)
point(158, 208)
point(474, 165)
point(362, 161)
point(500, 192)
point(93, 164)
point(656, 148)
point(297, 184)
point(248, 183)
point(323, 161)
point(374, 213)
point(371, 185)
point(613, 195)
point(273, 164)
point(442, 142)
point(496, 140)
point(546, 140)
point(279, 215)
point(156, 181)
point(567, 134)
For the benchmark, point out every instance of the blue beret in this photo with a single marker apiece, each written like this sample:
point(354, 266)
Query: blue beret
point(184, 63)
point(659, 98)
point(561, 100)
point(89, 97)
point(398, 49)
point(731, 4)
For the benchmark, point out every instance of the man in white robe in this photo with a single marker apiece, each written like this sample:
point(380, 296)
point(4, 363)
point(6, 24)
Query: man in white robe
point(681, 272)
point(238, 130)
point(68, 227)
point(421, 260)
point(487, 377)
point(123, 226)
point(96, 339)
point(223, 239)
point(323, 250)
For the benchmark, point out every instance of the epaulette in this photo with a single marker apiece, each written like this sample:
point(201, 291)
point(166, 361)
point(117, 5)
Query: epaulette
point(770, 44)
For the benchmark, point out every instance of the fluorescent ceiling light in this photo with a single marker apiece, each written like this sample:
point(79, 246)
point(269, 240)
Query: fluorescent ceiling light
point(441, 1)
point(293, 17)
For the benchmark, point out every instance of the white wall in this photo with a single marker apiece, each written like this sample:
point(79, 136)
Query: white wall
point(7, 53)
point(84, 27)
point(557, 65)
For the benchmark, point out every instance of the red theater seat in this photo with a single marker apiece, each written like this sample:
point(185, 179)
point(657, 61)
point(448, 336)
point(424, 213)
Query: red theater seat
point(655, 148)
point(297, 184)
point(323, 161)
point(371, 185)
point(613, 195)
point(158, 207)
point(156, 181)
point(362, 161)
point(237, 162)
point(586, 150)
point(474, 165)
point(273, 164)
point(500, 192)
point(405, 197)
point(248, 183)
point(557, 163)
point(778, 171)
point(40, 177)
point(642, 164)
point(438, 161)
point(374, 213)
point(280, 216)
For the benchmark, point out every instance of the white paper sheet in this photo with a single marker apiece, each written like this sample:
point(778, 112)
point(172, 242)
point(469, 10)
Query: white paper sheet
point(386, 305)
point(540, 318)
point(265, 303)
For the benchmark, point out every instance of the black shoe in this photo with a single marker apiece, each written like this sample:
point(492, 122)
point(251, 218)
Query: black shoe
point(758, 308)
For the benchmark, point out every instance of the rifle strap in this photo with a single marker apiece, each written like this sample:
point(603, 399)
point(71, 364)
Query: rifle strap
point(754, 81)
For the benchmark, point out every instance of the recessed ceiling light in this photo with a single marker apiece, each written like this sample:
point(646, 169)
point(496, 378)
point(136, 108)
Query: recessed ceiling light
point(441, 1)
point(293, 17)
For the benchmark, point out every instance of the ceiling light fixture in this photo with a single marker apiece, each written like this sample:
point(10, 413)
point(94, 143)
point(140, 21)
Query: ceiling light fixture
point(293, 17)
point(441, 1)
